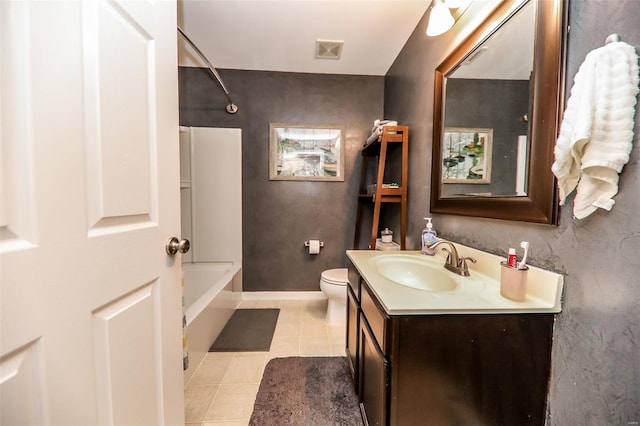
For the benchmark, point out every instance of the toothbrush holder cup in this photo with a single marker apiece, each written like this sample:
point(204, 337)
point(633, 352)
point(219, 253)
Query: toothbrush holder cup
point(513, 282)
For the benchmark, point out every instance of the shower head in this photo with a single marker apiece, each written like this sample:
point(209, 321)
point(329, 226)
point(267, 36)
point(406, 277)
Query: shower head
point(231, 108)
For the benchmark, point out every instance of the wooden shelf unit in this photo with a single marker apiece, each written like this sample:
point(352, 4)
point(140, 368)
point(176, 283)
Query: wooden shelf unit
point(392, 137)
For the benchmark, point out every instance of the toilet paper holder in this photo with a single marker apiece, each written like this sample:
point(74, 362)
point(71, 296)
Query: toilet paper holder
point(306, 243)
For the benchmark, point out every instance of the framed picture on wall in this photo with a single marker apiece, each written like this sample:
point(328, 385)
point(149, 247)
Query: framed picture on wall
point(306, 152)
point(466, 155)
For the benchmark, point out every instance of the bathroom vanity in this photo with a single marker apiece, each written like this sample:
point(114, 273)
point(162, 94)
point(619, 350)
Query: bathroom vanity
point(425, 351)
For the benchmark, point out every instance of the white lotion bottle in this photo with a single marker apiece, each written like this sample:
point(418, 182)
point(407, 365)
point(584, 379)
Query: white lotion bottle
point(429, 238)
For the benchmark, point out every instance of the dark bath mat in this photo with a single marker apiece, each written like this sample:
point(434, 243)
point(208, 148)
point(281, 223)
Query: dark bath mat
point(248, 330)
point(306, 391)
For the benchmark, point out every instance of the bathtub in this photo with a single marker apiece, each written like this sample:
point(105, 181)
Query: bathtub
point(209, 300)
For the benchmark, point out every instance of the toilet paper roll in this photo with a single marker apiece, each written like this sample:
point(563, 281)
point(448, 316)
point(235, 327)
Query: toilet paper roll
point(314, 246)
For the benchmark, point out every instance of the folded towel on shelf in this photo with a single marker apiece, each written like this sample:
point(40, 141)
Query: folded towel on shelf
point(596, 135)
point(379, 124)
point(375, 134)
point(376, 131)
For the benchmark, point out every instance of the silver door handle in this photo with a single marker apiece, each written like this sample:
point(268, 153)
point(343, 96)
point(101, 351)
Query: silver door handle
point(174, 245)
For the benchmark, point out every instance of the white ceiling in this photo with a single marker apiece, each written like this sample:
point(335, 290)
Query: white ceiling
point(281, 35)
point(507, 53)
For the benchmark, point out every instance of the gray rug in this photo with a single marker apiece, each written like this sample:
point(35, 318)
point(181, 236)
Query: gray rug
point(306, 391)
point(248, 330)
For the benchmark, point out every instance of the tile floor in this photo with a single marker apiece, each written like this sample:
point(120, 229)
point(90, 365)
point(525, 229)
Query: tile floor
point(223, 389)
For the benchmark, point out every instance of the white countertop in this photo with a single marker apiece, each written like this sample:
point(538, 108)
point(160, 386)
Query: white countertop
point(477, 294)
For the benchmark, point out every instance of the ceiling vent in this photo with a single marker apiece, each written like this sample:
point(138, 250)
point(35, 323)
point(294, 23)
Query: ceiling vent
point(328, 49)
point(475, 55)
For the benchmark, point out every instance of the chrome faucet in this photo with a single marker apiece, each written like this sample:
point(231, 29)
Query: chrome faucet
point(454, 263)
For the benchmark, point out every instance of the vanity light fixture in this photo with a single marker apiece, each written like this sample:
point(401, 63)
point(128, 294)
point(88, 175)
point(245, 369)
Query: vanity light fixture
point(457, 4)
point(440, 17)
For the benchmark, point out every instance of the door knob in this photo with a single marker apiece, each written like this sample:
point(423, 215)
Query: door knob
point(175, 245)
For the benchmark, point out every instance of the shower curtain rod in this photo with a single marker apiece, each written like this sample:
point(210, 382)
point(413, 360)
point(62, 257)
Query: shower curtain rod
point(231, 108)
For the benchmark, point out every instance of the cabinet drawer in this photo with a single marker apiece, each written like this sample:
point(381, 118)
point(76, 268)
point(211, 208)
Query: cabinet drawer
point(375, 317)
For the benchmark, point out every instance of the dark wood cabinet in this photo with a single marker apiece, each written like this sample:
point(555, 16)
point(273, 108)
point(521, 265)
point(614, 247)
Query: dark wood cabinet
point(373, 378)
point(353, 324)
point(353, 321)
point(447, 369)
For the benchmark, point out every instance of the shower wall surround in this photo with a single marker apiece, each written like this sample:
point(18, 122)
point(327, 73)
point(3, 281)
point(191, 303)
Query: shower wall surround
point(279, 216)
point(595, 360)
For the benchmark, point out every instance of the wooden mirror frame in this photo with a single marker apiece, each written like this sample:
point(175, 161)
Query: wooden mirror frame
point(540, 205)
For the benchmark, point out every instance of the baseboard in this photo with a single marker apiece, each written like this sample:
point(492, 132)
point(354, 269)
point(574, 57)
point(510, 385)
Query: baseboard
point(283, 295)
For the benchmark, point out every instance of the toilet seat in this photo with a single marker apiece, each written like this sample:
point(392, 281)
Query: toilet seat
point(337, 276)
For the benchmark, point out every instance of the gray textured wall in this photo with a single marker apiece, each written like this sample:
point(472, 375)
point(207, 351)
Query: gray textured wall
point(279, 216)
point(496, 104)
point(596, 354)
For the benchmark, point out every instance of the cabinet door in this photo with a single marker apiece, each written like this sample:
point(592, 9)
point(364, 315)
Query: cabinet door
point(353, 318)
point(373, 372)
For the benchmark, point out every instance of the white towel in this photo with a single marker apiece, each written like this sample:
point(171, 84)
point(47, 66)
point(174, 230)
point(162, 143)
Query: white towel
point(378, 126)
point(596, 135)
point(374, 135)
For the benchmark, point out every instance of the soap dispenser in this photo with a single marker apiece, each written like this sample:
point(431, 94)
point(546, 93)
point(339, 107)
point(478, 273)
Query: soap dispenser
point(429, 238)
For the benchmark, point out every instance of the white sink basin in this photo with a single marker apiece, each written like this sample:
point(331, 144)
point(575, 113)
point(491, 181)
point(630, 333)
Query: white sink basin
point(406, 282)
point(415, 272)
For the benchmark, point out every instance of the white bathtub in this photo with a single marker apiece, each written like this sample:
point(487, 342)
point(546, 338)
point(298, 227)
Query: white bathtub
point(209, 302)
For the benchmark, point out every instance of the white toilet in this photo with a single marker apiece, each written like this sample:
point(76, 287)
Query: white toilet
point(333, 283)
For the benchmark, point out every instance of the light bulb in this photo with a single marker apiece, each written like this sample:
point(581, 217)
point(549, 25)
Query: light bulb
point(440, 19)
point(455, 4)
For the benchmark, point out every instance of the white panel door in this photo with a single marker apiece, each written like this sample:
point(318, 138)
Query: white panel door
point(90, 301)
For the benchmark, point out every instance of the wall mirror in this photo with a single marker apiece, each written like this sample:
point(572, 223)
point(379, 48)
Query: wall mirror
point(505, 79)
